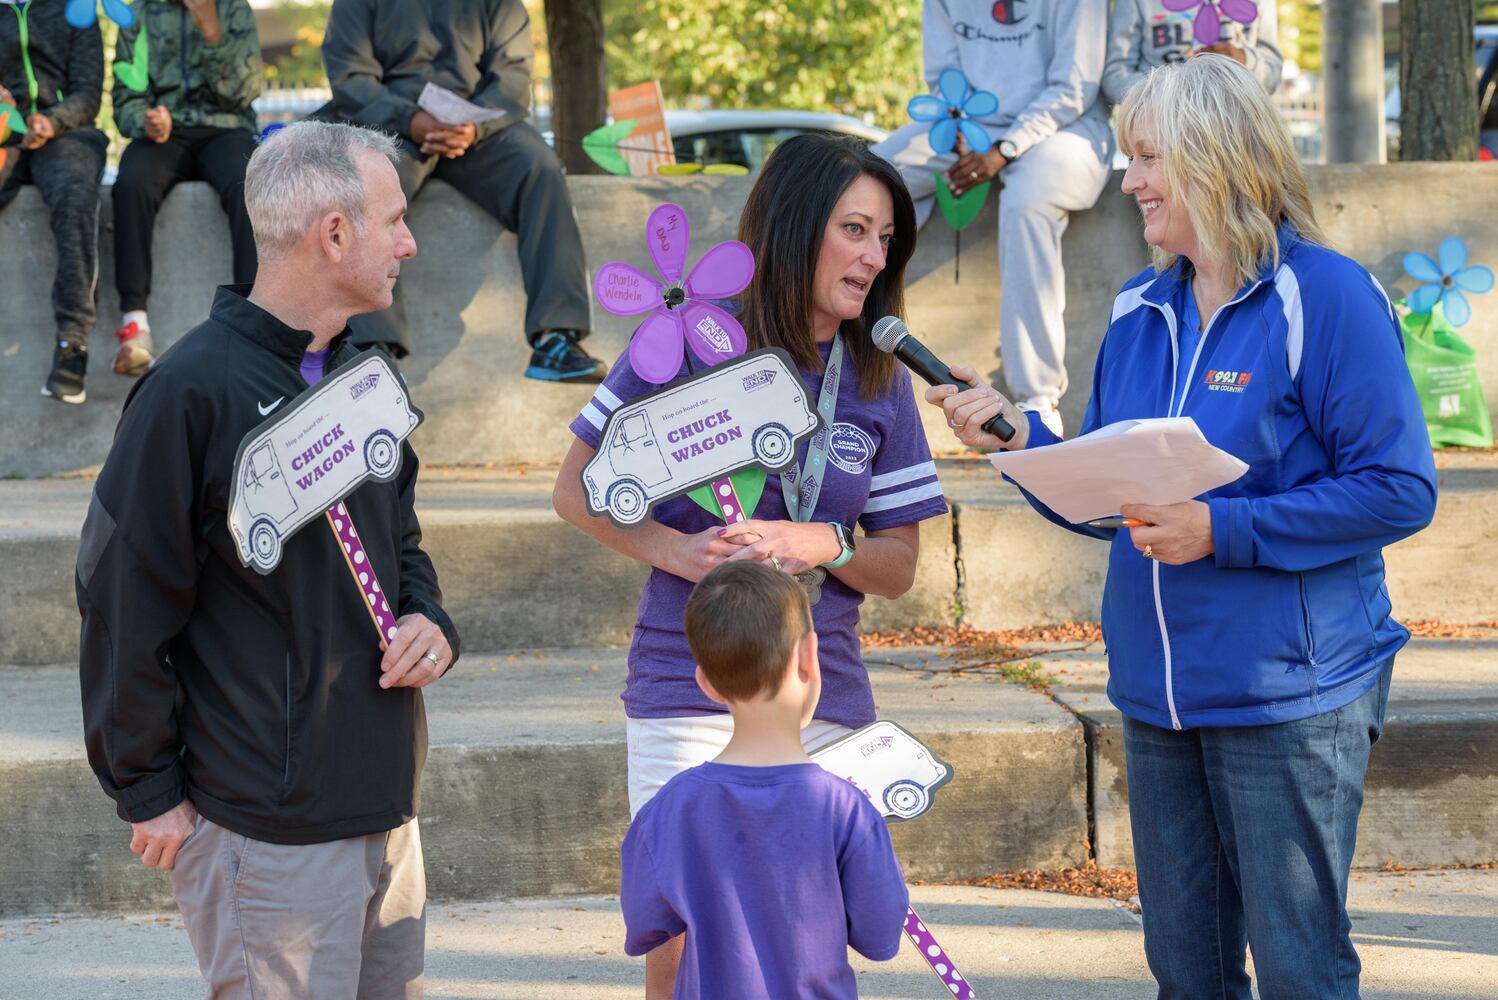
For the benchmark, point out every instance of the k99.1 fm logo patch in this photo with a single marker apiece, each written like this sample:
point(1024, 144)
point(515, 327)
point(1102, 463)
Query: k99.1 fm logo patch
point(1221, 380)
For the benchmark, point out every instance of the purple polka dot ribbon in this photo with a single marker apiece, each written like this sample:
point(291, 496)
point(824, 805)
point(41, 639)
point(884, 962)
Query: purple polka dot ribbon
point(936, 956)
point(362, 571)
point(729, 503)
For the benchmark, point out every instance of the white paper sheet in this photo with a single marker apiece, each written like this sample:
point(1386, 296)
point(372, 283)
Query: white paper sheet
point(450, 109)
point(1157, 461)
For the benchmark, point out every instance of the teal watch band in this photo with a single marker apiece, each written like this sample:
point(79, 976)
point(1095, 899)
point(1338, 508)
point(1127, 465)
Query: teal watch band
point(847, 554)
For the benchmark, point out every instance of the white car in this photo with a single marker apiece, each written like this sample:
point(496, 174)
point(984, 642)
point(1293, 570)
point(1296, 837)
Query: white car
point(299, 463)
point(896, 771)
point(748, 411)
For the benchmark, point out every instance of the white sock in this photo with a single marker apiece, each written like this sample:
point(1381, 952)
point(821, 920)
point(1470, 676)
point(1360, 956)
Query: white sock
point(138, 317)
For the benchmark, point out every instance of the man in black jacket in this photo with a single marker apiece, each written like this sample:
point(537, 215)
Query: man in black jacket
point(251, 721)
point(380, 54)
point(53, 74)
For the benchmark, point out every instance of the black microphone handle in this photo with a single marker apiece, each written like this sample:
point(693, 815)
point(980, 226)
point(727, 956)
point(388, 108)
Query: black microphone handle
point(929, 367)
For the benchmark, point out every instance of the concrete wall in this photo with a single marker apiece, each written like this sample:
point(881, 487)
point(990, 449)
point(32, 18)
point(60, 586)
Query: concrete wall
point(466, 303)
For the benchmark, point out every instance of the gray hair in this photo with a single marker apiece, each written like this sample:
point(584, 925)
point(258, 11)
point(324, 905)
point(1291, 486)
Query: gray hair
point(302, 172)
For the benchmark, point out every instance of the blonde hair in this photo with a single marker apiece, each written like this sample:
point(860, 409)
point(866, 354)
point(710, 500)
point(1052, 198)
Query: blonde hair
point(1227, 158)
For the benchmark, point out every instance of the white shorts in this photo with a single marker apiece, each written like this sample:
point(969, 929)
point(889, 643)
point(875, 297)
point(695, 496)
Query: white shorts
point(660, 749)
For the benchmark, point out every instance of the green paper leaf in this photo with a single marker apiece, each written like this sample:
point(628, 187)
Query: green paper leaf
point(136, 74)
point(601, 146)
point(11, 120)
point(748, 483)
point(960, 212)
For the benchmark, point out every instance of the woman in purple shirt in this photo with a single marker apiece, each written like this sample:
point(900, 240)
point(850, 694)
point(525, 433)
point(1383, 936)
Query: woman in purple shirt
point(832, 228)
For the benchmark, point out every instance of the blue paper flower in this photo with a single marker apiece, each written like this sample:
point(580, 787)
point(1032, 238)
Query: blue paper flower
point(952, 108)
point(1446, 281)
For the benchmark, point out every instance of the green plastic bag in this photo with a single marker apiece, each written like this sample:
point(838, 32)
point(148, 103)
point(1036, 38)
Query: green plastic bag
point(1444, 368)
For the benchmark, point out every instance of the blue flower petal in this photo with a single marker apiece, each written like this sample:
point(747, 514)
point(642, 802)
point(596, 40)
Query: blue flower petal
point(980, 104)
point(1424, 298)
point(1476, 279)
point(943, 136)
point(925, 108)
point(952, 86)
point(1453, 255)
point(977, 139)
point(1421, 268)
point(1454, 304)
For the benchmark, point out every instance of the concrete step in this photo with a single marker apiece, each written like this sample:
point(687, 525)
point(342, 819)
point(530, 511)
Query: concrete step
point(525, 784)
point(1432, 787)
point(1420, 934)
point(510, 570)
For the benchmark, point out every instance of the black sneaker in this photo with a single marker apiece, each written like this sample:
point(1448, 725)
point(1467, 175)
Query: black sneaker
point(557, 357)
point(69, 362)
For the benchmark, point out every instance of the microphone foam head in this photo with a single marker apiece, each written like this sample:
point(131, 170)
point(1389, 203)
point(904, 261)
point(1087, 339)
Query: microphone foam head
point(888, 332)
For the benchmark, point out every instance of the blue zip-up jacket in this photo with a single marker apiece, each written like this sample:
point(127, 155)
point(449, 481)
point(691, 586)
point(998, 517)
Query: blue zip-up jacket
point(1302, 376)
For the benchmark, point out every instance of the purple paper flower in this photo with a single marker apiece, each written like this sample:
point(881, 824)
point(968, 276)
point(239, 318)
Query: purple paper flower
point(1207, 28)
point(1447, 281)
point(952, 109)
point(677, 313)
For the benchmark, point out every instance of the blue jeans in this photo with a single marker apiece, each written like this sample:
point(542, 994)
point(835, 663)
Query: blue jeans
point(1243, 836)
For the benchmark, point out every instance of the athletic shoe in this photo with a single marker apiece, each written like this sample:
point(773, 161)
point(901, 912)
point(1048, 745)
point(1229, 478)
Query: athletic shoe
point(1046, 408)
point(135, 353)
point(69, 362)
point(557, 357)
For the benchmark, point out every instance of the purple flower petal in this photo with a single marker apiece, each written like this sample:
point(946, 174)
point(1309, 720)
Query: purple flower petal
point(1243, 11)
point(712, 334)
point(926, 108)
point(952, 86)
point(979, 104)
point(943, 136)
point(655, 352)
point(977, 139)
point(1179, 5)
point(626, 291)
point(1453, 254)
point(1207, 28)
point(723, 271)
point(667, 234)
point(1476, 279)
point(1456, 307)
point(1422, 268)
point(1424, 298)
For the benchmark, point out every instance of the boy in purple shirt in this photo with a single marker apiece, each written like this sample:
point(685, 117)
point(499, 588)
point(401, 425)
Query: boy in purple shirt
point(772, 866)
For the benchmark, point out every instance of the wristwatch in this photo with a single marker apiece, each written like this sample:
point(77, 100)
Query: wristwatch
point(846, 539)
point(1008, 150)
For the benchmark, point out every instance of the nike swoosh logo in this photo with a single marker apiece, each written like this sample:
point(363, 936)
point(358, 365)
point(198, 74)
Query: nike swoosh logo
point(265, 410)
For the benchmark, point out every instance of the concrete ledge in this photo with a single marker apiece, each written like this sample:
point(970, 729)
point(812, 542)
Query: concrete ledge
point(1432, 787)
point(465, 301)
point(525, 787)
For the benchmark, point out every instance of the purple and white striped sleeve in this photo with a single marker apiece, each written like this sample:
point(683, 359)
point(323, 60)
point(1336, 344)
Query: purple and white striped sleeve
point(904, 488)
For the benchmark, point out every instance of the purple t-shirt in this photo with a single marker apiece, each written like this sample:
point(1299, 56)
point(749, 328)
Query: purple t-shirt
point(313, 363)
point(879, 474)
point(774, 871)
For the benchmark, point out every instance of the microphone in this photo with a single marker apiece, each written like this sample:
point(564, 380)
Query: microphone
point(892, 337)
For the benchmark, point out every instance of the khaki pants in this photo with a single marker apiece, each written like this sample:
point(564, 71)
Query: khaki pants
point(344, 919)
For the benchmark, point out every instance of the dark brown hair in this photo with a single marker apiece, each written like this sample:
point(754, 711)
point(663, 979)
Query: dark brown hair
point(743, 620)
point(783, 223)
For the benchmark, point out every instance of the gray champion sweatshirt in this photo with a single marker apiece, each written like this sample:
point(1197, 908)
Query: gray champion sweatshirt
point(1142, 34)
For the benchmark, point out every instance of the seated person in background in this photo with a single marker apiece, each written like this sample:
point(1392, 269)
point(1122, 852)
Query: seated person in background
point(1143, 34)
point(189, 117)
point(53, 75)
point(771, 866)
point(380, 54)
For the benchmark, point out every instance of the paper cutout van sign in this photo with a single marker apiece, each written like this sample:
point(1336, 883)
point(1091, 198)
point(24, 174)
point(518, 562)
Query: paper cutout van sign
point(295, 466)
point(751, 411)
point(893, 769)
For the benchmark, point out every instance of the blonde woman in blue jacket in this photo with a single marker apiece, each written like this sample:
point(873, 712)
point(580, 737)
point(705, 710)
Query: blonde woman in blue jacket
point(1249, 632)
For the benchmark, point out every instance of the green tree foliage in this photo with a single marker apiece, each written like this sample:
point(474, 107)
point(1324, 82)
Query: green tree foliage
point(302, 64)
point(1300, 33)
point(852, 56)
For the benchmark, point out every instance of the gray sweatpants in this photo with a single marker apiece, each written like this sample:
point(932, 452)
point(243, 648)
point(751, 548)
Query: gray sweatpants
point(66, 171)
point(1061, 175)
point(344, 920)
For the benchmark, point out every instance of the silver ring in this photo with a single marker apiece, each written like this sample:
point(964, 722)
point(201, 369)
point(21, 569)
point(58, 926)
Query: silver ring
point(973, 174)
point(775, 561)
point(1149, 552)
point(953, 424)
point(432, 657)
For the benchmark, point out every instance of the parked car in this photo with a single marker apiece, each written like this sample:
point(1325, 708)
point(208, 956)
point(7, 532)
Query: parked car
point(748, 137)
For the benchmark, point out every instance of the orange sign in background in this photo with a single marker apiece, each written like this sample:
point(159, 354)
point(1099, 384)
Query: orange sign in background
point(643, 103)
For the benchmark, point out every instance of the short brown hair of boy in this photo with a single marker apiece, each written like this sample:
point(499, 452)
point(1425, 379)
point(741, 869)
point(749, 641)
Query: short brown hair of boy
point(743, 620)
